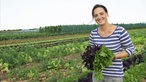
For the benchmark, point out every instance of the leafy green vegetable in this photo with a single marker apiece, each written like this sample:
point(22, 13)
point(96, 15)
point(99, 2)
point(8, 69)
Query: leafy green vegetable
point(103, 58)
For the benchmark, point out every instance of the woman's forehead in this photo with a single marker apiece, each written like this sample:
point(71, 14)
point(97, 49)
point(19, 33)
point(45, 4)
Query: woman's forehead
point(98, 10)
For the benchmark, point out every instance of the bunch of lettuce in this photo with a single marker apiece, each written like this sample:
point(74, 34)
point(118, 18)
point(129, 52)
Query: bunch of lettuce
point(89, 55)
point(103, 58)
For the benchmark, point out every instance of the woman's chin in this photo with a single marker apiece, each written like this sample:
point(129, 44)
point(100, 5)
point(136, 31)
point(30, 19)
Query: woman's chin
point(100, 24)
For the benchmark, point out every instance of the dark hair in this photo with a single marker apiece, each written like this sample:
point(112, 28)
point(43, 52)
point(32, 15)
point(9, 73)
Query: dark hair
point(98, 5)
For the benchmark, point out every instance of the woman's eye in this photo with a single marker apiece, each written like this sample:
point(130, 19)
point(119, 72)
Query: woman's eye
point(101, 13)
point(95, 15)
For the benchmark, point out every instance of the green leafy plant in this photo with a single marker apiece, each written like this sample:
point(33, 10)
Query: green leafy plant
point(54, 63)
point(103, 58)
point(3, 66)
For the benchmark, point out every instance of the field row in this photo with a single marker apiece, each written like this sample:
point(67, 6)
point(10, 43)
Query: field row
point(50, 60)
point(61, 63)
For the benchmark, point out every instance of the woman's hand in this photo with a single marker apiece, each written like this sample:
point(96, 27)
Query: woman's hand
point(114, 57)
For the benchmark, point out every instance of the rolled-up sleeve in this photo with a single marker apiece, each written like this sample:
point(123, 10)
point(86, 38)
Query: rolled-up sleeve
point(126, 42)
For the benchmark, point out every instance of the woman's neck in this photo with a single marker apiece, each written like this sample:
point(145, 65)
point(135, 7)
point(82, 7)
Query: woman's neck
point(105, 27)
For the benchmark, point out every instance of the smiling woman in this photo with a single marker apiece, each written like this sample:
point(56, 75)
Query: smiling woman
point(100, 14)
point(115, 38)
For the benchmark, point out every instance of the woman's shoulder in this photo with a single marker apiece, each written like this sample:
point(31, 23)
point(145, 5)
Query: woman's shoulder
point(120, 28)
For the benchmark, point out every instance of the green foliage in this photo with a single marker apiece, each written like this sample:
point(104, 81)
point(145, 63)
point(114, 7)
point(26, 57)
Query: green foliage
point(54, 63)
point(103, 58)
point(138, 40)
point(33, 55)
point(3, 66)
point(135, 74)
point(58, 30)
point(30, 53)
point(51, 29)
point(30, 73)
point(133, 25)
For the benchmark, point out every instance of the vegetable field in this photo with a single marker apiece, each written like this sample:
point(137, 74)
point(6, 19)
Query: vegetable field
point(58, 58)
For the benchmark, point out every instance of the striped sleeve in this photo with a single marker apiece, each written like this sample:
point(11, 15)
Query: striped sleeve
point(126, 42)
point(91, 42)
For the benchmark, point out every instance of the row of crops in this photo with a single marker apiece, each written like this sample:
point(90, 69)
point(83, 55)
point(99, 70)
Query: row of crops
point(60, 63)
point(57, 30)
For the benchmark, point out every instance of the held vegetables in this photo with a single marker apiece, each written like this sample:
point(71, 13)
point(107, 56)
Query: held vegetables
point(97, 58)
point(89, 55)
point(103, 58)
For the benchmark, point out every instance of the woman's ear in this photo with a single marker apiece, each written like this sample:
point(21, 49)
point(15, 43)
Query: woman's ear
point(107, 15)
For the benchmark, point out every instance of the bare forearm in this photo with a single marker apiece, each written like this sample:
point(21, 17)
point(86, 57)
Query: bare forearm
point(122, 54)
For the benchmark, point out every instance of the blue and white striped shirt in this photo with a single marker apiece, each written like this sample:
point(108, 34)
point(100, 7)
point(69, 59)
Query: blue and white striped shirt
point(116, 42)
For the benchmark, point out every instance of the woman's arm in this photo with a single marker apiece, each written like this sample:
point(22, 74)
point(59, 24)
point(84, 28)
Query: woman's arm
point(126, 44)
point(122, 54)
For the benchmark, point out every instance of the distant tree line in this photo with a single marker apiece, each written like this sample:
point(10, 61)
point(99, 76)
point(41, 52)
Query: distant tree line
point(58, 30)
point(83, 28)
point(133, 25)
point(51, 29)
point(67, 29)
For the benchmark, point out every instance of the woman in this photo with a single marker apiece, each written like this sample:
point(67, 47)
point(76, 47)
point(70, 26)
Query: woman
point(113, 37)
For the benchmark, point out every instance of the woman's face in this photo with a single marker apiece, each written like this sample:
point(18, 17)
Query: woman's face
point(100, 16)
